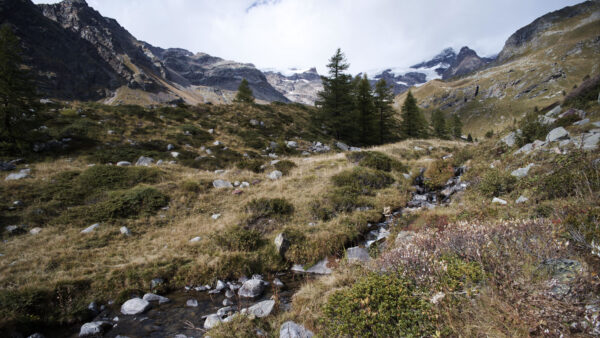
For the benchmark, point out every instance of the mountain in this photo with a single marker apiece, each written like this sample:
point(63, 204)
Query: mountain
point(297, 85)
point(537, 66)
point(79, 54)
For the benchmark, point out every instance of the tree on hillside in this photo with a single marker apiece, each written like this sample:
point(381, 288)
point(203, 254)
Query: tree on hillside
point(386, 123)
point(438, 124)
point(456, 124)
point(335, 102)
point(17, 91)
point(244, 93)
point(365, 111)
point(413, 123)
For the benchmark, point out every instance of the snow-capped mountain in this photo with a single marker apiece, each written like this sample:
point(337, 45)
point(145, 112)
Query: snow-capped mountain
point(297, 85)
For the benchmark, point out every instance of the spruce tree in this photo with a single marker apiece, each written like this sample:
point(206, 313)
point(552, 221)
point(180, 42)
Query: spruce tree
point(413, 123)
point(439, 126)
point(17, 91)
point(335, 101)
point(244, 93)
point(456, 126)
point(365, 111)
point(386, 123)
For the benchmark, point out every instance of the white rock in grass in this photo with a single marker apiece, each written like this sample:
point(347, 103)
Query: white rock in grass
point(221, 184)
point(35, 230)
point(275, 175)
point(151, 297)
point(144, 161)
point(215, 216)
point(522, 172)
point(521, 199)
point(251, 288)
point(292, 330)
point(134, 306)
point(125, 231)
point(94, 328)
point(212, 321)
point(90, 229)
point(261, 309)
point(357, 254)
point(499, 201)
point(24, 173)
point(556, 134)
point(195, 239)
point(191, 303)
point(123, 164)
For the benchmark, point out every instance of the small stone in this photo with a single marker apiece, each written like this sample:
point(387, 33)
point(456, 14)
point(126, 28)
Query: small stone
point(217, 143)
point(215, 216)
point(227, 302)
point(557, 134)
point(278, 283)
point(320, 268)
point(251, 288)
point(499, 201)
point(94, 328)
point(170, 147)
point(220, 285)
point(212, 321)
point(196, 239)
point(125, 231)
point(342, 146)
point(229, 294)
point(290, 329)
point(262, 309)
point(521, 199)
point(134, 306)
point(156, 282)
point(37, 335)
point(292, 144)
point(123, 164)
point(211, 131)
point(35, 230)
point(244, 185)
point(357, 254)
point(281, 243)
point(174, 154)
point(221, 184)
point(275, 175)
point(522, 172)
point(191, 303)
point(24, 173)
point(144, 161)
point(90, 229)
point(582, 122)
point(151, 297)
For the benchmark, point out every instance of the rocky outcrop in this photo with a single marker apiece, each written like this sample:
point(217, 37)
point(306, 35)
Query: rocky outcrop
point(300, 86)
point(467, 61)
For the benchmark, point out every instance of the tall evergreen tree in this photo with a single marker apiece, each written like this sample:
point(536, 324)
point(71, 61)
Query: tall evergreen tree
point(386, 123)
point(439, 125)
point(456, 126)
point(335, 101)
point(17, 91)
point(413, 123)
point(244, 93)
point(365, 111)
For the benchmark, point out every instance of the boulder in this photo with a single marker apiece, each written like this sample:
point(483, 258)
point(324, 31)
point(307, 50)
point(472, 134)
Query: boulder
point(596, 124)
point(404, 238)
point(125, 231)
point(151, 297)
point(96, 328)
point(23, 173)
point(281, 243)
point(90, 229)
point(521, 199)
point(134, 306)
point(557, 134)
point(581, 122)
point(191, 303)
point(292, 144)
point(212, 321)
point(261, 309)
point(499, 201)
point(7, 166)
point(320, 268)
point(522, 172)
point(275, 175)
point(357, 254)
point(170, 147)
point(510, 139)
point(590, 141)
point(290, 329)
point(278, 283)
point(251, 288)
point(35, 230)
point(526, 149)
point(342, 146)
point(144, 161)
point(222, 184)
point(123, 164)
point(554, 112)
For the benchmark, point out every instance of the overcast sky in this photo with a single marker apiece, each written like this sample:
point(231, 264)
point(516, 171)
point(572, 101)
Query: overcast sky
point(280, 34)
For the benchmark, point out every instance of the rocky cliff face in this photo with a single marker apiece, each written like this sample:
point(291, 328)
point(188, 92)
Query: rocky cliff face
point(79, 54)
point(299, 86)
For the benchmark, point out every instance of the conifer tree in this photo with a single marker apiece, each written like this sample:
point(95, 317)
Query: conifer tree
point(244, 93)
point(386, 123)
point(439, 126)
point(335, 102)
point(456, 126)
point(413, 124)
point(365, 111)
point(17, 91)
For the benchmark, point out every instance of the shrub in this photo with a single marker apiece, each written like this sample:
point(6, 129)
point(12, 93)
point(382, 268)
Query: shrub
point(113, 177)
point(238, 239)
point(531, 129)
point(574, 175)
point(196, 186)
point(362, 179)
point(269, 207)
point(378, 306)
point(285, 166)
point(460, 274)
point(584, 227)
point(376, 160)
point(438, 173)
point(496, 182)
point(254, 165)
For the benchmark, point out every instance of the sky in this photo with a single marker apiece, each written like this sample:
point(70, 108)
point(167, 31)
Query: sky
point(374, 34)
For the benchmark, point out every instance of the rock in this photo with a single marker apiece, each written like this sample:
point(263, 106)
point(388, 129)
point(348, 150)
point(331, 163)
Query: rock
point(94, 328)
point(35, 230)
point(111, 132)
point(342, 146)
point(90, 229)
point(254, 122)
point(217, 143)
point(554, 112)
point(212, 321)
point(174, 154)
point(278, 283)
point(526, 149)
point(14, 230)
point(221, 184)
point(282, 244)
point(125, 231)
point(545, 120)
point(191, 303)
point(357, 254)
point(522, 172)
point(563, 270)
point(499, 201)
point(215, 216)
point(159, 162)
point(196, 239)
point(275, 175)
point(123, 164)
point(134, 306)
point(244, 185)
point(251, 288)
point(211, 131)
point(290, 329)
point(156, 282)
point(437, 298)
point(151, 297)
point(292, 144)
point(37, 335)
point(590, 141)
point(224, 310)
point(417, 148)
point(510, 139)
point(7, 166)
point(521, 199)
point(220, 285)
point(582, 122)
point(227, 302)
point(262, 309)
point(404, 238)
point(229, 294)
point(596, 124)
point(93, 307)
point(23, 173)
point(144, 161)
point(557, 134)
point(170, 147)
point(320, 268)
point(354, 149)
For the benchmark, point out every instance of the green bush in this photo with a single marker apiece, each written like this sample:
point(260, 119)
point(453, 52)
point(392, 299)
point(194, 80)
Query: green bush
point(574, 175)
point(460, 274)
point(362, 180)
point(269, 207)
point(531, 129)
point(584, 226)
point(285, 166)
point(113, 177)
point(496, 182)
point(379, 306)
point(438, 173)
point(238, 239)
point(196, 186)
point(376, 160)
point(254, 165)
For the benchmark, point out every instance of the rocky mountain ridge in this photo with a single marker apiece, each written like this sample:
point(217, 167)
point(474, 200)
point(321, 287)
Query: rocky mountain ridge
point(297, 85)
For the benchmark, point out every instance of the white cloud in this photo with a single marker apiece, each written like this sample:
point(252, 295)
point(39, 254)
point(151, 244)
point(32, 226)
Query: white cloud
point(304, 33)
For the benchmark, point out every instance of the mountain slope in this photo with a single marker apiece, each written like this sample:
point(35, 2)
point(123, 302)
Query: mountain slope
point(299, 86)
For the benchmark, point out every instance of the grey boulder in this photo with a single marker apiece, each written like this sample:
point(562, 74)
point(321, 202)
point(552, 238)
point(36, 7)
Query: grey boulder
point(23, 173)
point(557, 134)
point(290, 329)
point(275, 175)
point(134, 306)
point(144, 161)
point(522, 172)
point(251, 288)
point(261, 309)
point(222, 184)
point(151, 297)
point(94, 328)
point(357, 254)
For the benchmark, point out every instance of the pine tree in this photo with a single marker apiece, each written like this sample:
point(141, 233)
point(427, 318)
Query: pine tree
point(365, 111)
point(439, 126)
point(456, 126)
point(17, 91)
point(413, 124)
point(386, 123)
point(244, 93)
point(336, 106)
